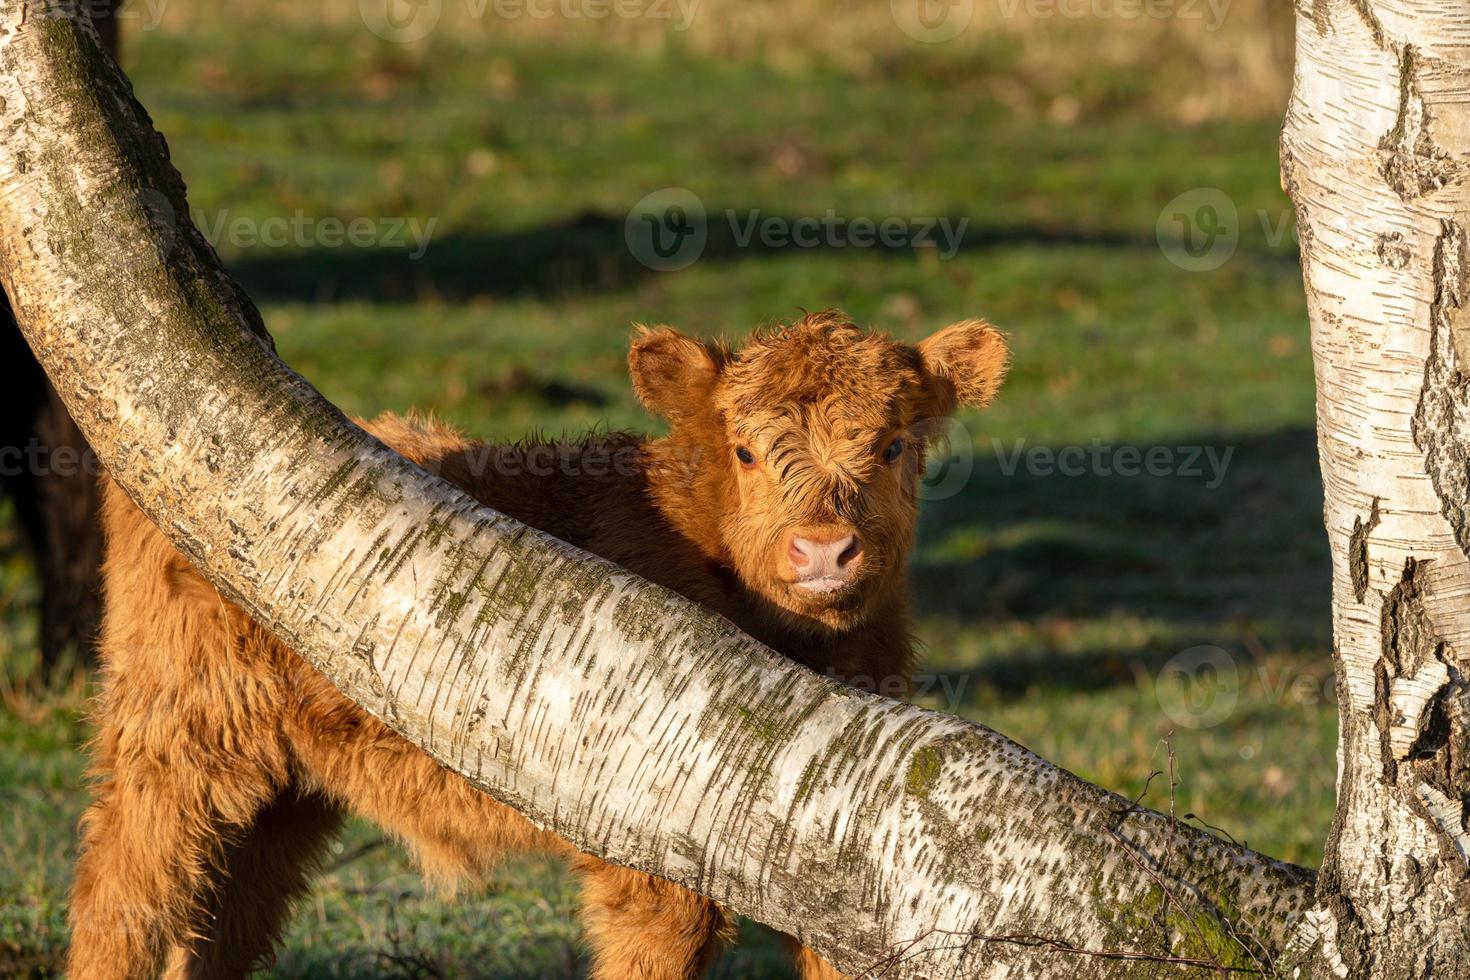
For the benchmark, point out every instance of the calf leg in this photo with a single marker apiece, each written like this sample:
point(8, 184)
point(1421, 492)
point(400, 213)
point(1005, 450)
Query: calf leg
point(189, 761)
point(640, 926)
point(153, 859)
point(264, 874)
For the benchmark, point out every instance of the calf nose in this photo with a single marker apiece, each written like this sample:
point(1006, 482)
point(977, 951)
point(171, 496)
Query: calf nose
point(834, 557)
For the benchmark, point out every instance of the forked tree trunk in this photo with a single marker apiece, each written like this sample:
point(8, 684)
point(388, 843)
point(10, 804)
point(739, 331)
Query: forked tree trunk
point(1376, 156)
point(636, 724)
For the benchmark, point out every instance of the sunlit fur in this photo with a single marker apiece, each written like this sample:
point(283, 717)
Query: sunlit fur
point(817, 403)
point(224, 763)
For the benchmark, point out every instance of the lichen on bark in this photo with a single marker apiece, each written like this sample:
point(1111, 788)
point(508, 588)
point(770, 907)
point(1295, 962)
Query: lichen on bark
point(594, 703)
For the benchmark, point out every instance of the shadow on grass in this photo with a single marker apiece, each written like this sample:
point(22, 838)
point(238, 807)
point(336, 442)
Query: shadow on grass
point(1239, 564)
point(590, 253)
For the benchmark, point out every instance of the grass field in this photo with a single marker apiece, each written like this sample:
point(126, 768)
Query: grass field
point(1056, 608)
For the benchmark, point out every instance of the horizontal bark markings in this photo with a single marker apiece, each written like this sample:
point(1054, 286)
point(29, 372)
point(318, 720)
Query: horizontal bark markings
point(201, 335)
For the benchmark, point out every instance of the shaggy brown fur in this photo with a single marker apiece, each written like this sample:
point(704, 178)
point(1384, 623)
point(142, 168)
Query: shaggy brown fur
point(224, 762)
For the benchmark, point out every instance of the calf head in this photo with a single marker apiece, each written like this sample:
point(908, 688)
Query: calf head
point(804, 449)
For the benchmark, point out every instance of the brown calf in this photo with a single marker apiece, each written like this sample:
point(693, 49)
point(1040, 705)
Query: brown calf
point(784, 497)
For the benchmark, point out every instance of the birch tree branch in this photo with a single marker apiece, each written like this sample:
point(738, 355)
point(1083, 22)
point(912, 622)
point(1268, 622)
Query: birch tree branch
point(636, 724)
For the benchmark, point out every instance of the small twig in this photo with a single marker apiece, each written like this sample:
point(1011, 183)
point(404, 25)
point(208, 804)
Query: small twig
point(896, 957)
point(1169, 894)
point(1173, 772)
point(1044, 942)
point(1158, 879)
point(1217, 830)
point(1152, 774)
point(1168, 741)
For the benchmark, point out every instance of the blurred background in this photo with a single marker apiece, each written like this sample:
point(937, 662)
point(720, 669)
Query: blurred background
point(462, 205)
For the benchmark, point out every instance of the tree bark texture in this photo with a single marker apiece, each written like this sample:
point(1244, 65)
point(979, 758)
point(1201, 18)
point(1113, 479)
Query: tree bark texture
point(1376, 157)
point(641, 727)
point(54, 493)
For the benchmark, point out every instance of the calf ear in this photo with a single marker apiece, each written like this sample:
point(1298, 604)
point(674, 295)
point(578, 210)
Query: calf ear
point(673, 375)
point(965, 363)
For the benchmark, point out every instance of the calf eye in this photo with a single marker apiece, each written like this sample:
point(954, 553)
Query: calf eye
point(894, 450)
point(746, 457)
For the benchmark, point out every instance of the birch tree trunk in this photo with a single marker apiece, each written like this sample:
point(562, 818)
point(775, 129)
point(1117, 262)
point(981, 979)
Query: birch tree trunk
point(53, 489)
point(1376, 157)
point(639, 726)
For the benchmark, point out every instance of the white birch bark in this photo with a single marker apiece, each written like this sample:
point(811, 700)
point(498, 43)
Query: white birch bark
point(1376, 157)
point(639, 726)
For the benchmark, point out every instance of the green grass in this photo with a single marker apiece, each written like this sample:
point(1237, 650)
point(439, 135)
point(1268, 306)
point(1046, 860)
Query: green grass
point(1051, 606)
